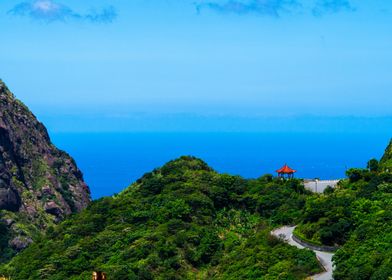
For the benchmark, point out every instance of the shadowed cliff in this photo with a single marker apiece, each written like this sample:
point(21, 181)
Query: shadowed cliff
point(39, 184)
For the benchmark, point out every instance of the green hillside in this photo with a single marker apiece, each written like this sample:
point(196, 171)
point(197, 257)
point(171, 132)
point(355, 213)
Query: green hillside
point(182, 221)
point(186, 221)
point(386, 160)
point(358, 217)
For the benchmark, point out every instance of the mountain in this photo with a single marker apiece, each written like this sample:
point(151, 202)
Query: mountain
point(180, 221)
point(39, 184)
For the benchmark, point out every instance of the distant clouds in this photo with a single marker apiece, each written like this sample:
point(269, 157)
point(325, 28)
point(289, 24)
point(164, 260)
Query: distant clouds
point(331, 6)
point(274, 7)
point(51, 11)
point(264, 7)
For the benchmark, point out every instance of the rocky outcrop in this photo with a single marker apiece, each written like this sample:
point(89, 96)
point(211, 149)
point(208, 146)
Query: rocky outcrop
point(9, 196)
point(39, 184)
point(20, 242)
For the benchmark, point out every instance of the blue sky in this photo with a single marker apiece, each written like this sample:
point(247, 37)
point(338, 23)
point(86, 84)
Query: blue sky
point(171, 65)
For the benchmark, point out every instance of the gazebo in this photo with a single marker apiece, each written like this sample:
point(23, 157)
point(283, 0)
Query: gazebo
point(286, 172)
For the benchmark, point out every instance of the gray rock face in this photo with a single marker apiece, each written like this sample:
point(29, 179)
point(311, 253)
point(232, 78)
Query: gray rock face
point(52, 208)
point(20, 242)
point(9, 197)
point(39, 184)
point(29, 162)
point(9, 200)
point(7, 222)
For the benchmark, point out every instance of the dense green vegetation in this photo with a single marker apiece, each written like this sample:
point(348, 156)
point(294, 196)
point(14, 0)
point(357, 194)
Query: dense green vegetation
point(182, 221)
point(358, 217)
point(386, 161)
point(186, 221)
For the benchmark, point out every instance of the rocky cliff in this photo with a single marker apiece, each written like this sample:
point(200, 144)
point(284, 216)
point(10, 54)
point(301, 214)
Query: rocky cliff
point(39, 184)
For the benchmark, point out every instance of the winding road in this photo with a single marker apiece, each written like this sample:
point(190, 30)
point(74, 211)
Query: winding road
point(325, 258)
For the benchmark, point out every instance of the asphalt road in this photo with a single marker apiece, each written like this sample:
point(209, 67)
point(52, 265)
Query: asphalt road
point(325, 258)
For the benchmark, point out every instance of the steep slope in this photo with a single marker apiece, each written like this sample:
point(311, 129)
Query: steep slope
point(358, 217)
point(181, 221)
point(39, 184)
point(386, 160)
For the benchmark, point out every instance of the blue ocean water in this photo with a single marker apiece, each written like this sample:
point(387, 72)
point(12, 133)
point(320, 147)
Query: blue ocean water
point(112, 161)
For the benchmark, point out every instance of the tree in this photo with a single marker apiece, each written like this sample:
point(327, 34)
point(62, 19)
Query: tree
point(354, 174)
point(373, 165)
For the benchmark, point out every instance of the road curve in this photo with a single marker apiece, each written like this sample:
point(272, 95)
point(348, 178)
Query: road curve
point(325, 258)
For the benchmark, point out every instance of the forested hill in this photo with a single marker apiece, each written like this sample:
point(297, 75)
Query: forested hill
point(186, 221)
point(181, 221)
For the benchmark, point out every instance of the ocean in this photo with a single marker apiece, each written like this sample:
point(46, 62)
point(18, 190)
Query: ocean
point(110, 162)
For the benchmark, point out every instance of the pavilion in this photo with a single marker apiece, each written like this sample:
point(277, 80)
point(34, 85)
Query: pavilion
point(286, 172)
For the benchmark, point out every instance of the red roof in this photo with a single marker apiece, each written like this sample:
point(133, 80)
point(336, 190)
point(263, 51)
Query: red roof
point(286, 170)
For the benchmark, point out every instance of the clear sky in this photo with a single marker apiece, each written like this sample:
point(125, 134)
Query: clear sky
point(200, 64)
